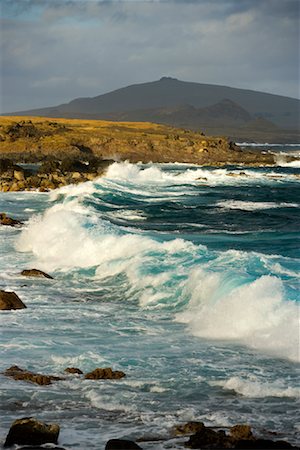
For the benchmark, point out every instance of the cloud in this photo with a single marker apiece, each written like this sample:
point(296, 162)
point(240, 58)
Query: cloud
point(54, 51)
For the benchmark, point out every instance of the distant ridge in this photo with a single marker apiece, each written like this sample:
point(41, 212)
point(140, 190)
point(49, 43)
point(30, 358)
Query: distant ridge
point(212, 108)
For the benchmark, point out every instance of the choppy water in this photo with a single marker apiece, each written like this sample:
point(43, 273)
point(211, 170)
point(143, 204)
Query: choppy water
point(185, 278)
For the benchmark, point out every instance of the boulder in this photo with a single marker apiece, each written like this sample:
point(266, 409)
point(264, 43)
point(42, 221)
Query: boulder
point(31, 431)
point(121, 444)
point(239, 432)
point(35, 273)
point(5, 220)
point(188, 428)
point(10, 300)
point(206, 438)
point(263, 444)
point(19, 374)
point(19, 175)
point(73, 370)
point(105, 374)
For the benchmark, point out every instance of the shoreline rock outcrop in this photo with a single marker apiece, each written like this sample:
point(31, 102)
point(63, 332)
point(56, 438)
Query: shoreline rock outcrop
point(9, 221)
point(19, 374)
point(35, 273)
point(31, 431)
point(10, 301)
point(104, 374)
point(73, 151)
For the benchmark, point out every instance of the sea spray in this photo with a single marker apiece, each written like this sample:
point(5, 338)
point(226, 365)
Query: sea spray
point(184, 277)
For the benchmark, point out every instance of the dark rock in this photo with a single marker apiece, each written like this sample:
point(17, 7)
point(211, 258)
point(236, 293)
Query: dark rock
point(23, 129)
point(263, 444)
point(239, 432)
point(105, 374)
point(7, 165)
point(31, 431)
point(10, 300)
point(35, 273)
point(121, 444)
point(5, 220)
point(73, 370)
point(206, 438)
point(19, 374)
point(40, 448)
point(49, 166)
point(188, 428)
point(72, 165)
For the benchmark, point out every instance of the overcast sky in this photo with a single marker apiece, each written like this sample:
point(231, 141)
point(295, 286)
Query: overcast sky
point(53, 51)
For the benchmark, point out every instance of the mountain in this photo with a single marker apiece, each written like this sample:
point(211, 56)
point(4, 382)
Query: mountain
point(211, 108)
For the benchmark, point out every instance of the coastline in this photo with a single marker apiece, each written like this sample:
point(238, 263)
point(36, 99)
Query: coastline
point(65, 177)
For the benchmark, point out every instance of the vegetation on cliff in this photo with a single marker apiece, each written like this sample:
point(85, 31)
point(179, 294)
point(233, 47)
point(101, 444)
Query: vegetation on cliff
point(34, 139)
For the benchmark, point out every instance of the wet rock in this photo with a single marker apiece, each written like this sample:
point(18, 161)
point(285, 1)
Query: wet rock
point(40, 448)
point(5, 220)
point(19, 374)
point(105, 374)
point(263, 444)
point(31, 431)
point(188, 428)
point(206, 438)
point(35, 273)
point(121, 444)
point(10, 300)
point(73, 370)
point(239, 432)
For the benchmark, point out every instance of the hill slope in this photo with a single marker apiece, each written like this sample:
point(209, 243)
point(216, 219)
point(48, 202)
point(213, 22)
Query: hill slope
point(142, 101)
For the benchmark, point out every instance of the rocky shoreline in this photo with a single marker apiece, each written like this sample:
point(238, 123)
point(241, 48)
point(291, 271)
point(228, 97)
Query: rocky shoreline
point(73, 151)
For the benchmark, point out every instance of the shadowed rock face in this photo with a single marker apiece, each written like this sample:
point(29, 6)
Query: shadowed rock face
point(17, 373)
point(121, 444)
point(10, 300)
point(31, 431)
point(105, 374)
point(5, 220)
point(35, 273)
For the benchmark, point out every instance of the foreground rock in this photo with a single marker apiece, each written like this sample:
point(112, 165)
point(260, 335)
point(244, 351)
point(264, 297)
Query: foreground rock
point(121, 444)
point(31, 431)
point(10, 300)
point(239, 437)
point(35, 273)
point(52, 174)
point(105, 374)
point(5, 220)
point(19, 374)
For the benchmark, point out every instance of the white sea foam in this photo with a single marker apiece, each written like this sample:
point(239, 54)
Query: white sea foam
point(252, 206)
point(253, 387)
point(139, 175)
point(254, 314)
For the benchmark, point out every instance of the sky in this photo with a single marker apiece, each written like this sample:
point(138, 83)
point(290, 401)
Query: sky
point(53, 51)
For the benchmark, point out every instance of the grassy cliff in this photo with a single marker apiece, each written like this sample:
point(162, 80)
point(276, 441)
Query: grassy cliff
point(32, 139)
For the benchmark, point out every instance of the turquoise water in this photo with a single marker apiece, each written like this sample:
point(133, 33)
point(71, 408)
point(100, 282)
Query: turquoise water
point(185, 278)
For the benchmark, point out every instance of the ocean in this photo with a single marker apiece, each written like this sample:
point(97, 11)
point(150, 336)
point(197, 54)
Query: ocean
point(184, 277)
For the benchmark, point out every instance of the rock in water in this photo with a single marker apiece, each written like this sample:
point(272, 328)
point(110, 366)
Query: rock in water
point(31, 431)
point(74, 370)
point(5, 220)
point(105, 374)
point(10, 300)
point(239, 432)
point(35, 273)
point(188, 428)
point(121, 444)
point(19, 374)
